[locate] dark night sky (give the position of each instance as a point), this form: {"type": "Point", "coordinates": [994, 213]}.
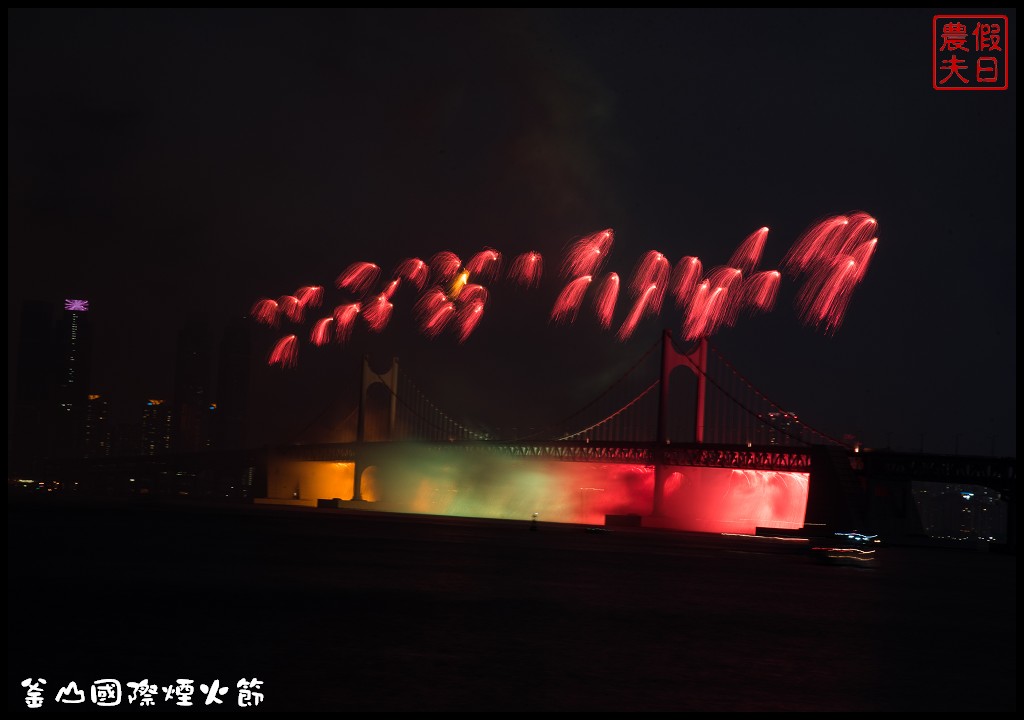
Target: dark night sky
{"type": "Point", "coordinates": [161, 162]}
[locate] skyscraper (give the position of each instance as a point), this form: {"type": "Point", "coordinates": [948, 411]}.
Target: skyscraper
{"type": "Point", "coordinates": [73, 347]}
{"type": "Point", "coordinates": [191, 406]}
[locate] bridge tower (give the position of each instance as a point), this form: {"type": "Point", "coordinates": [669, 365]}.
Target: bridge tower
{"type": "Point", "coordinates": [388, 379]}
{"type": "Point", "coordinates": [697, 362]}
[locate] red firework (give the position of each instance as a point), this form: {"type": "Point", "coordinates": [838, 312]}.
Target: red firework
{"type": "Point", "coordinates": [433, 311]}
{"type": "Point", "coordinates": [444, 266]}
{"type": "Point", "coordinates": [526, 269]}
{"type": "Point", "coordinates": [567, 305]}
{"type": "Point", "coordinates": [285, 352]}
{"type": "Point", "coordinates": [472, 292]}
{"type": "Point", "coordinates": [707, 312]}
{"type": "Point", "coordinates": [604, 301]}
{"type": "Point", "coordinates": [641, 307]}
{"type": "Point", "coordinates": [748, 254]}
{"type": "Point", "coordinates": [358, 277]}
{"type": "Point", "coordinates": [650, 280]}
{"type": "Point", "coordinates": [727, 305]}
{"type": "Point", "coordinates": [761, 289]}
{"type": "Point", "coordinates": [310, 296]}
{"type": "Point", "coordinates": [587, 255]}
{"type": "Point", "coordinates": [685, 277]}
{"type": "Point", "coordinates": [377, 313]}
{"type": "Point", "coordinates": [413, 270]}
{"type": "Point", "coordinates": [485, 264]}
{"type": "Point", "coordinates": [266, 311]}
{"type": "Point", "coordinates": [320, 335]}
{"type": "Point", "coordinates": [390, 289]}
{"type": "Point", "coordinates": [291, 307]}
{"type": "Point", "coordinates": [345, 321]}
{"type": "Point", "coordinates": [469, 316]}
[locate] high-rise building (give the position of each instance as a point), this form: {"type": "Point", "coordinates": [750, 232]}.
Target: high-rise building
{"type": "Point", "coordinates": [73, 347]}
{"type": "Point", "coordinates": [98, 427]}
{"type": "Point", "coordinates": [156, 427]}
{"type": "Point", "coordinates": [192, 399]}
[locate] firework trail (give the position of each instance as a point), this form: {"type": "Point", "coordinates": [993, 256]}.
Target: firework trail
{"type": "Point", "coordinates": [588, 254]}
{"type": "Point", "coordinates": [414, 271]}
{"type": "Point", "coordinates": [444, 266]}
{"type": "Point", "coordinates": [320, 335]}
{"type": "Point", "coordinates": [707, 311]}
{"type": "Point", "coordinates": [643, 305]}
{"type": "Point", "coordinates": [285, 352]}
{"type": "Point", "coordinates": [468, 317]}
{"type": "Point", "coordinates": [526, 269]}
{"type": "Point", "coordinates": [310, 296]}
{"type": "Point", "coordinates": [567, 305]}
{"type": "Point", "coordinates": [378, 312]}
{"type": "Point", "coordinates": [265, 311]}
{"type": "Point", "coordinates": [748, 254]}
{"type": "Point", "coordinates": [345, 321]}
{"type": "Point", "coordinates": [291, 308]}
{"type": "Point", "coordinates": [761, 289]}
{"type": "Point", "coordinates": [824, 297]}
{"type": "Point", "coordinates": [726, 305]}
{"type": "Point", "coordinates": [358, 277]}
{"type": "Point", "coordinates": [604, 302]}
{"type": "Point", "coordinates": [433, 311]}
{"type": "Point", "coordinates": [473, 292]}
{"type": "Point", "coordinates": [650, 280]}
{"type": "Point", "coordinates": [390, 288]}
{"type": "Point", "coordinates": [485, 264]}
{"type": "Point", "coordinates": [685, 277]}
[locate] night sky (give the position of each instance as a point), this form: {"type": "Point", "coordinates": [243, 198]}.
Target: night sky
{"type": "Point", "coordinates": [166, 162]}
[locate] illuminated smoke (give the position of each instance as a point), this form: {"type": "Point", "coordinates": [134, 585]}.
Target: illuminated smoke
{"type": "Point", "coordinates": [588, 254]}
{"type": "Point", "coordinates": [526, 269]}
{"type": "Point", "coordinates": [604, 301]}
{"type": "Point", "coordinates": [285, 352]}
{"type": "Point", "coordinates": [567, 305]}
{"type": "Point", "coordinates": [358, 277]}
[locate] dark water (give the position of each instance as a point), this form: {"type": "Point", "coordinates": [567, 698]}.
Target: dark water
{"type": "Point", "coordinates": [344, 611]}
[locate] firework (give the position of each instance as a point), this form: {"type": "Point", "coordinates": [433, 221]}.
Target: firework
{"type": "Point", "coordinates": [444, 266]}
{"type": "Point", "coordinates": [642, 306]}
{"type": "Point", "coordinates": [469, 316]}
{"type": "Point", "coordinates": [320, 335]}
{"type": "Point", "coordinates": [433, 311]}
{"type": "Point", "coordinates": [390, 288]}
{"type": "Point", "coordinates": [707, 311]}
{"type": "Point", "coordinates": [413, 270]}
{"type": "Point", "coordinates": [344, 321]}
{"type": "Point", "coordinates": [567, 305]}
{"type": "Point", "coordinates": [265, 311]}
{"type": "Point", "coordinates": [285, 352]}
{"type": "Point", "coordinates": [485, 264]}
{"type": "Point", "coordinates": [761, 289]}
{"type": "Point", "coordinates": [310, 296]}
{"type": "Point", "coordinates": [526, 269]}
{"type": "Point", "coordinates": [650, 280]}
{"type": "Point", "coordinates": [358, 277]}
{"type": "Point", "coordinates": [685, 277]}
{"type": "Point", "coordinates": [587, 255]}
{"type": "Point", "coordinates": [604, 301]}
{"type": "Point", "coordinates": [291, 308]}
{"type": "Point", "coordinates": [378, 312]}
{"type": "Point", "coordinates": [748, 254]}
